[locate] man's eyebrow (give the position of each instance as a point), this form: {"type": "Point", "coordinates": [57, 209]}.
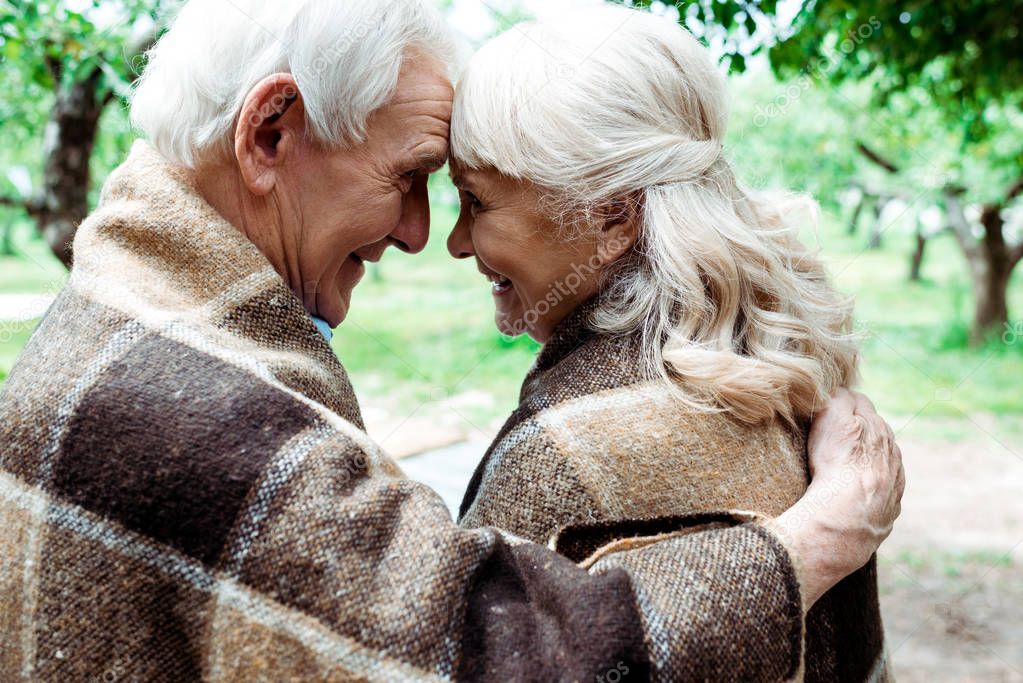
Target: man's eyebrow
{"type": "Point", "coordinates": [431, 162]}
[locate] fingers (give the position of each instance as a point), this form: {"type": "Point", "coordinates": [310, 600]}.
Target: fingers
{"type": "Point", "coordinates": [893, 453]}
{"type": "Point", "coordinates": [900, 476]}
{"type": "Point", "coordinates": [841, 402]}
{"type": "Point", "coordinates": [872, 447]}
{"type": "Point", "coordinates": [887, 437]}
{"type": "Point", "coordinates": [864, 406]}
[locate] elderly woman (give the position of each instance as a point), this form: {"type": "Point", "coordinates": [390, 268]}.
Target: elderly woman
{"type": "Point", "coordinates": [186, 490]}
{"type": "Point", "coordinates": [688, 335]}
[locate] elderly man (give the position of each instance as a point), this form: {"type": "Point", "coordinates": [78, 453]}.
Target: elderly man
{"type": "Point", "coordinates": [186, 489]}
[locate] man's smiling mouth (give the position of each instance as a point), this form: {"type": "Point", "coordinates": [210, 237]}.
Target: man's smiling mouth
{"type": "Point", "coordinates": [371, 254]}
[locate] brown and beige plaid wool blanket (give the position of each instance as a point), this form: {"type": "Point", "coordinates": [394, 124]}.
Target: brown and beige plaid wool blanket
{"type": "Point", "coordinates": [594, 439]}
{"type": "Point", "coordinates": [187, 493]}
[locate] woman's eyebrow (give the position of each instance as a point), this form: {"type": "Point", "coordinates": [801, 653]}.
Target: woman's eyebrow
{"type": "Point", "coordinates": [461, 181]}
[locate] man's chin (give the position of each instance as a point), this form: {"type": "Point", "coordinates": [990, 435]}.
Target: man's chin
{"type": "Point", "coordinates": [335, 312]}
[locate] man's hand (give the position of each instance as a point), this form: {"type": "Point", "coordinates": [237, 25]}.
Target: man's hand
{"type": "Point", "coordinates": [854, 497]}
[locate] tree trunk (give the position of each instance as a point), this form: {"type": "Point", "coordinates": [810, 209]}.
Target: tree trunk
{"type": "Point", "coordinates": [854, 221]}
{"type": "Point", "coordinates": [67, 146]}
{"type": "Point", "coordinates": [991, 273]}
{"type": "Point", "coordinates": [992, 309]}
{"type": "Point", "coordinates": [991, 263]}
{"type": "Point", "coordinates": [917, 262]}
{"type": "Point", "coordinates": [876, 228]}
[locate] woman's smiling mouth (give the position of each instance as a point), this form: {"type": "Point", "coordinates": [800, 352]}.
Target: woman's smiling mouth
{"type": "Point", "coordinates": [499, 283]}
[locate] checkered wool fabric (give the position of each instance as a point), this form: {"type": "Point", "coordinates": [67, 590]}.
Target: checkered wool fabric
{"type": "Point", "coordinates": [594, 439]}
{"type": "Point", "coordinates": [186, 493]}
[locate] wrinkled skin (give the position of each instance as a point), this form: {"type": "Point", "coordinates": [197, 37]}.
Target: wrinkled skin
{"type": "Point", "coordinates": [854, 497]}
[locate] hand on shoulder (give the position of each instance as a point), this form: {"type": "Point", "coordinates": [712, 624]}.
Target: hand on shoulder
{"type": "Point", "coordinates": [853, 499]}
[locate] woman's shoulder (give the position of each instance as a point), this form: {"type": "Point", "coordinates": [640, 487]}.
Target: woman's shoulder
{"type": "Point", "coordinates": [597, 363]}
{"type": "Point", "coordinates": [637, 449]}
{"type": "Point", "coordinates": [526, 484]}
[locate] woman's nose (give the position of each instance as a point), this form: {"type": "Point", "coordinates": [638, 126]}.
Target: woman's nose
{"type": "Point", "coordinates": [460, 241]}
{"type": "Point", "coordinates": [413, 232]}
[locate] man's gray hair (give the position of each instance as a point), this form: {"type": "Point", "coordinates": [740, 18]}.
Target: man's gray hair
{"type": "Point", "coordinates": [345, 56]}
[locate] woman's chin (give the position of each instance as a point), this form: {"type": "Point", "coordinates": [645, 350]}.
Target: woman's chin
{"type": "Point", "coordinates": [513, 327]}
{"type": "Point", "coordinates": [510, 324]}
{"type": "Point", "coordinates": [507, 327]}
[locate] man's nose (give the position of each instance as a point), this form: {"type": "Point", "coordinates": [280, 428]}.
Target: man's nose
{"type": "Point", "coordinates": [413, 231]}
{"type": "Point", "coordinates": [460, 241]}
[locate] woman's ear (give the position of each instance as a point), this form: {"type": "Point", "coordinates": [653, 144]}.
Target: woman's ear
{"type": "Point", "coordinates": [620, 229]}
{"type": "Point", "coordinates": [270, 126]}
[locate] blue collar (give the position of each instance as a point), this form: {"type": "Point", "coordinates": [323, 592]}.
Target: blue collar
{"type": "Point", "coordinates": [323, 327]}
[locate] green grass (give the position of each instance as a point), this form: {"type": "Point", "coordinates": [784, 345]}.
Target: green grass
{"type": "Point", "coordinates": [32, 270]}
{"type": "Point", "coordinates": [916, 361]}
{"type": "Point", "coordinates": [12, 338]}
{"type": "Point", "coordinates": [33, 267]}
{"type": "Point", "coordinates": [421, 329]}
{"type": "Point", "coordinates": [952, 564]}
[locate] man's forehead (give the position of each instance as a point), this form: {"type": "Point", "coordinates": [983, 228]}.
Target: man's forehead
{"type": "Point", "coordinates": [423, 82]}
{"type": "Point", "coordinates": [433, 96]}
{"type": "Point", "coordinates": [423, 111]}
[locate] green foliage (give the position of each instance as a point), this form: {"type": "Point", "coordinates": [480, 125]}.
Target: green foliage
{"type": "Point", "coordinates": [915, 357]}
{"type": "Point", "coordinates": [935, 86]}
{"type": "Point", "coordinates": [963, 53]}
{"type": "Point", "coordinates": [54, 45]}
{"type": "Point", "coordinates": [785, 135]}
{"type": "Point", "coordinates": [504, 20]}
{"type": "Point", "coordinates": [731, 25]}
{"type": "Point", "coordinates": [11, 344]}
{"type": "Point", "coordinates": [47, 45]}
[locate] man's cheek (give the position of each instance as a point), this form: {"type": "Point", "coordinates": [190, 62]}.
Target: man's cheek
{"type": "Point", "coordinates": [380, 221]}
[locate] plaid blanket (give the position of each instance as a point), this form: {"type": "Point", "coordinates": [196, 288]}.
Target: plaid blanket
{"type": "Point", "coordinates": [186, 493]}
{"type": "Point", "coordinates": [594, 439]}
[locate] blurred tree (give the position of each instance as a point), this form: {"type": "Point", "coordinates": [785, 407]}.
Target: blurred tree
{"type": "Point", "coordinates": [961, 60]}
{"type": "Point", "coordinates": [79, 57]}
{"type": "Point", "coordinates": [946, 79]}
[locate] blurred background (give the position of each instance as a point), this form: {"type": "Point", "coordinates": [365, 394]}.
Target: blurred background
{"type": "Point", "coordinates": [903, 119]}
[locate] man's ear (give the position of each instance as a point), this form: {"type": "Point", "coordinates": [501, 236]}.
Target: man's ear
{"type": "Point", "coordinates": [620, 227]}
{"type": "Point", "coordinates": [270, 126]}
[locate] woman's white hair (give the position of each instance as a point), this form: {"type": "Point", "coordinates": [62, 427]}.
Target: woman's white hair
{"type": "Point", "coordinates": [619, 105]}
{"type": "Point", "coordinates": [345, 57]}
